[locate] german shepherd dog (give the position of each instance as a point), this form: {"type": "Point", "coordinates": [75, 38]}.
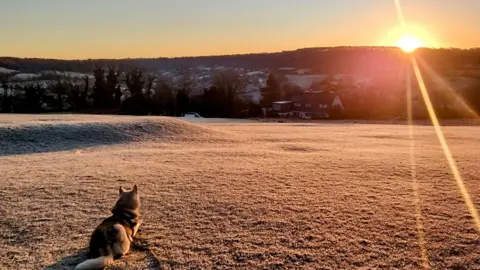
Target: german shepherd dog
{"type": "Point", "coordinates": [113, 237]}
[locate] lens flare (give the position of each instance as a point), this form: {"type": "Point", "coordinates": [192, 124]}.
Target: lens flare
{"type": "Point", "coordinates": [446, 149]}
{"type": "Point", "coordinates": [413, 172]}
{"type": "Point", "coordinates": [409, 43]}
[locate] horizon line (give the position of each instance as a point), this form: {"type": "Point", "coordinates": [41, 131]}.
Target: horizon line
{"type": "Point", "coordinates": [237, 54]}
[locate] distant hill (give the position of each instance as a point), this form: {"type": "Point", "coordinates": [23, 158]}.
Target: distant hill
{"type": "Point", "coordinates": [359, 60]}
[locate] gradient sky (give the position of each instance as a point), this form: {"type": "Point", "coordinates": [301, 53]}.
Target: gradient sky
{"type": "Point", "coordinates": [152, 28]}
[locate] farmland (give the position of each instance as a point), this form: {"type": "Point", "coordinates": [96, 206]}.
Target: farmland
{"type": "Point", "coordinates": [245, 194]}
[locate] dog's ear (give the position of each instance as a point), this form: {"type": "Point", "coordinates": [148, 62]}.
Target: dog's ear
{"type": "Point", "coordinates": [121, 190]}
{"type": "Point", "coordinates": [135, 189]}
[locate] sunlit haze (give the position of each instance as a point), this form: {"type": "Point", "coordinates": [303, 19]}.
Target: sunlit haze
{"type": "Point", "coordinates": [156, 28]}
{"type": "Point", "coordinates": [409, 43]}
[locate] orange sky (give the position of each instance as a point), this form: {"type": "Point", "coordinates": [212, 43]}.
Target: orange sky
{"type": "Point", "coordinates": [154, 28]}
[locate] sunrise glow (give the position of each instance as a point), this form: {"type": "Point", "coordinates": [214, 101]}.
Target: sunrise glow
{"type": "Point", "coordinates": [409, 43]}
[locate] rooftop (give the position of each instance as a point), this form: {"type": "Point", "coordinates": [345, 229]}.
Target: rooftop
{"type": "Point", "coordinates": [282, 102]}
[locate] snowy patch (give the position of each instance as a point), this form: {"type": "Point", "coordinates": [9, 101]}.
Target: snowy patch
{"type": "Point", "coordinates": [303, 71]}
{"type": "Point", "coordinates": [25, 76]}
{"type": "Point", "coordinates": [256, 73]}
{"type": "Point", "coordinates": [304, 81]}
{"type": "Point", "coordinates": [7, 71]}
{"type": "Point", "coordinates": [67, 74]}
{"type": "Point", "coordinates": [204, 68]}
{"type": "Point", "coordinates": [167, 73]}
{"type": "Point", "coordinates": [204, 77]}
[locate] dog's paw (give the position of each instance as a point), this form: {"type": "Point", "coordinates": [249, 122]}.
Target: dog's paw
{"type": "Point", "coordinates": [137, 229]}
{"type": "Point", "coordinates": [139, 223]}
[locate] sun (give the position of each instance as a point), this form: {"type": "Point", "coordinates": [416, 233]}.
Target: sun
{"type": "Point", "coordinates": [409, 43]}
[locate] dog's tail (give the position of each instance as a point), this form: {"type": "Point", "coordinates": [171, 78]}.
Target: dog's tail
{"type": "Point", "coordinates": [97, 263]}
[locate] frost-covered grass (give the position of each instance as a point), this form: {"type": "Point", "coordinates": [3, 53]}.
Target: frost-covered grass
{"type": "Point", "coordinates": [219, 194]}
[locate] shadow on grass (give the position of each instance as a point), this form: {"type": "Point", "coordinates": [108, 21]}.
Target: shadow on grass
{"type": "Point", "coordinates": [62, 137]}
{"type": "Point", "coordinates": [154, 261]}
{"type": "Point", "coordinates": [139, 245]}
{"type": "Point", "coordinates": [69, 262]}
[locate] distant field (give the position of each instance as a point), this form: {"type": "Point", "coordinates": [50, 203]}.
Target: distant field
{"type": "Point", "coordinates": [223, 194]}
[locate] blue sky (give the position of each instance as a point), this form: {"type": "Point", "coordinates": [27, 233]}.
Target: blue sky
{"type": "Point", "coordinates": [150, 28]}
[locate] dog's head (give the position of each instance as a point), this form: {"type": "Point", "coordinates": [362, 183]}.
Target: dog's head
{"type": "Point", "coordinates": [128, 200]}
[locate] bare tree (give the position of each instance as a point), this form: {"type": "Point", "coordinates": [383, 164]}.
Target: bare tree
{"type": "Point", "coordinates": [111, 85]}
{"type": "Point", "coordinates": [6, 102]}
{"type": "Point", "coordinates": [150, 81]}
{"type": "Point", "coordinates": [99, 88]}
{"type": "Point", "coordinates": [183, 87]}
{"type": "Point", "coordinates": [273, 91]}
{"type": "Point", "coordinates": [163, 98]}
{"type": "Point", "coordinates": [74, 94]}
{"type": "Point", "coordinates": [118, 96]}
{"type": "Point", "coordinates": [134, 81]}
{"type": "Point", "coordinates": [231, 84]}
{"type": "Point", "coordinates": [229, 81]}
{"type": "Point", "coordinates": [86, 89]}
{"type": "Point", "coordinates": [59, 89]}
{"type": "Point", "coordinates": [185, 80]}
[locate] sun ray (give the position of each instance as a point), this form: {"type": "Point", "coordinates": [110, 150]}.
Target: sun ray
{"type": "Point", "coordinates": [399, 9]}
{"type": "Point", "coordinates": [425, 263]}
{"type": "Point", "coordinates": [413, 172]}
{"type": "Point", "coordinates": [471, 112]}
{"type": "Point", "coordinates": [446, 149]}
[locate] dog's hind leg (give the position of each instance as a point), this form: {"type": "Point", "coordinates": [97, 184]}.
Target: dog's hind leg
{"type": "Point", "coordinates": [121, 245]}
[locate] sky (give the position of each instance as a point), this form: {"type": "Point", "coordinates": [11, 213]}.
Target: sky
{"type": "Point", "coordinates": [72, 29]}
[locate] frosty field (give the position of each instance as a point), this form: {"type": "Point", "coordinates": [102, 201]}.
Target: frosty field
{"type": "Point", "coordinates": [240, 194]}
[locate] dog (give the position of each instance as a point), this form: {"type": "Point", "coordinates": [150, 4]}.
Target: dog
{"type": "Point", "coordinates": [113, 237]}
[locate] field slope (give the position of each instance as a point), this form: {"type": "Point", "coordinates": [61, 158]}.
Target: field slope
{"type": "Point", "coordinates": [238, 195]}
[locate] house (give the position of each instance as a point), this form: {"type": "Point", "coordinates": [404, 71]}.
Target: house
{"type": "Point", "coordinates": [309, 104]}
{"type": "Point", "coordinates": [282, 106]}
{"type": "Point", "coordinates": [316, 104]}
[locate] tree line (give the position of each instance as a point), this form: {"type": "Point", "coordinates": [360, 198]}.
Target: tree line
{"type": "Point", "coordinates": [135, 92]}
